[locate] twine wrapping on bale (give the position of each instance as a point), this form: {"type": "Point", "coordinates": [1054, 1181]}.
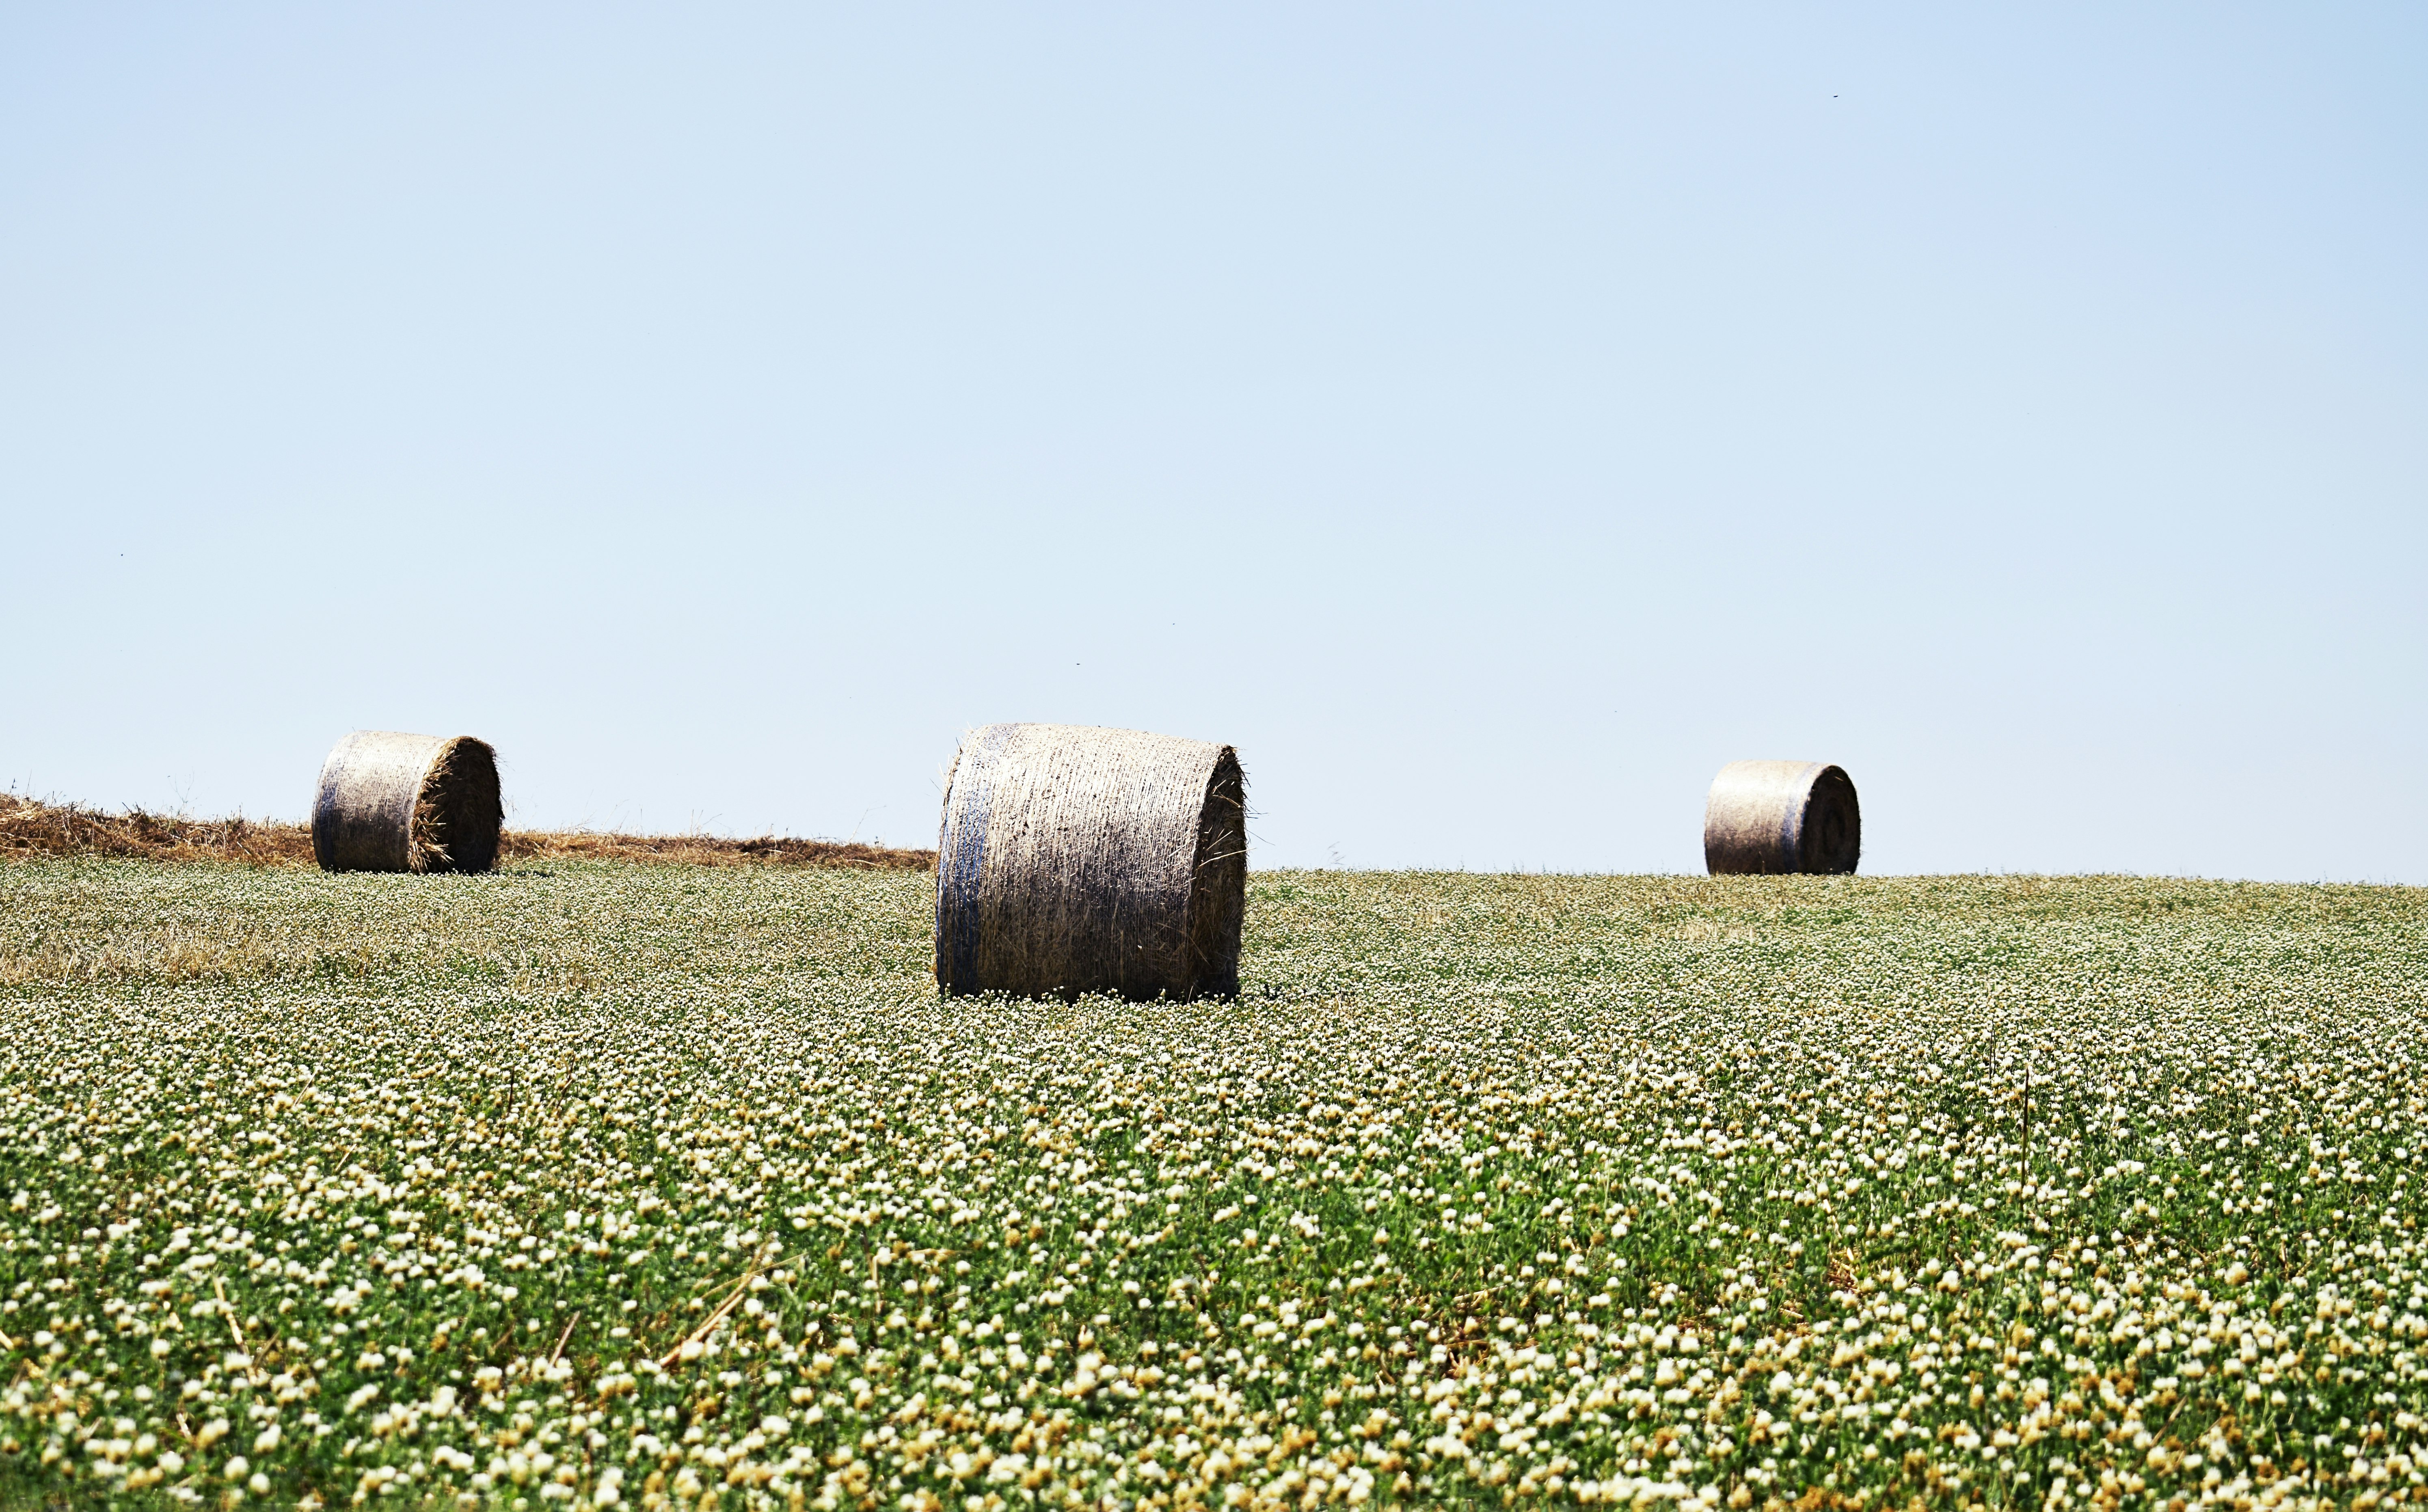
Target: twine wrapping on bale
{"type": "Point", "coordinates": [392, 803]}
{"type": "Point", "coordinates": [1772, 817]}
{"type": "Point", "coordinates": [1075, 860]}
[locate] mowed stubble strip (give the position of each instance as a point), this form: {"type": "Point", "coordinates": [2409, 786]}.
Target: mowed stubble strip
{"type": "Point", "coordinates": [631, 1186]}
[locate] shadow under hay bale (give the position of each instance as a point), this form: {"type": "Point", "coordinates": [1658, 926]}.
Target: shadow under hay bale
{"type": "Point", "coordinates": [1773, 817]}
{"type": "Point", "coordinates": [1073, 859]}
{"type": "Point", "coordinates": [392, 803]}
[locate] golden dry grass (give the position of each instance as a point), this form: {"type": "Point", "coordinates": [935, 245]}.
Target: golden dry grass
{"type": "Point", "coordinates": [29, 828]}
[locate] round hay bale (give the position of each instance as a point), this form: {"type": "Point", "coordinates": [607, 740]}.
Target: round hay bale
{"type": "Point", "coordinates": [1075, 860]}
{"type": "Point", "coordinates": [392, 803]}
{"type": "Point", "coordinates": [1782, 816]}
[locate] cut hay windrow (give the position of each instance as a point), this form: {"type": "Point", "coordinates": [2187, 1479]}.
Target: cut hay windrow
{"type": "Point", "coordinates": [1777, 818]}
{"type": "Point", "coordinates": [1075, 860]}
{"type": "Point", "coordinates": [392, 803]}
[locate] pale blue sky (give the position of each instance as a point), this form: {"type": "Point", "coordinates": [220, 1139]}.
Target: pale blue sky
{"type": "Point", "coordinates": [1489, 419]}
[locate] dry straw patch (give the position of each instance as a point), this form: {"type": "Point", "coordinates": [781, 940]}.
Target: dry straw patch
{"type": "Point", "coordinates": [711, 850]}
{"type": "Point", "coordinates": [30, 828]}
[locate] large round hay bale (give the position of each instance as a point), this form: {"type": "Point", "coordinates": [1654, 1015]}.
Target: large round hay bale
{"type": "Point", "coordinates": [1782, 816]}
{"type": "Point", "coordinates": [1075, 860]}
{"type": "Point", "coordinates": [392, 803]}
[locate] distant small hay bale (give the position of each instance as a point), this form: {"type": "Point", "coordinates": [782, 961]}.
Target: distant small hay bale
{"type": "Point", "coordinates": [1073, 859]}
{"type": "Point", "coordinates": [1782, 816]}
{"type": "Point", "coordinates": [392, 803]}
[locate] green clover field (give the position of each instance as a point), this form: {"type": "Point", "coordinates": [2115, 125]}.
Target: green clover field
{"type": "Point", "coordinates": [590, 1185]}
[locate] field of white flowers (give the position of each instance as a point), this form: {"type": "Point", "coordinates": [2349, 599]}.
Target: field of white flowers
{"type": "Point", "coordinates": [608, 1186]}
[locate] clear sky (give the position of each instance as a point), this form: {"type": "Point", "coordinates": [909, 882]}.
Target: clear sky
{"type": "Point", "coordinates": [1490, 419]}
